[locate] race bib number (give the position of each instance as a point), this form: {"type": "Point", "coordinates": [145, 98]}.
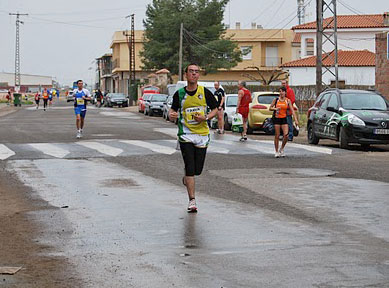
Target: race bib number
{"type": "Point", "coordinates": [80, 101]}
{"type": "Point", "coordinates": [190, 113]}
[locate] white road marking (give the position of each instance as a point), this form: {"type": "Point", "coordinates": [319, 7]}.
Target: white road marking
{"type": "Point", "coordinates": [102, 148]}
{"type": "Point", "coordinates": [124, 115]}
{"type": "Point", "coordinates": [316, 149]}
{"type": "Point", "coordinates": [152, 146]}
{"type": "Point", "coordinates": [211, 148]}
{"type": "Point", "coordinates": [50, 149]}
{"type": "Point", "coordinates": [259, 148]}
{"type": "Point", "coordinates": [168, 131]}
{"type": "Point", "coordinates": [5, 152]}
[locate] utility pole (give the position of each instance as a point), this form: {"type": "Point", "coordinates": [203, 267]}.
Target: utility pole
{"type": "Point", "coordinates": [17, 50]}
{"type": "Point", "coordinates": [328, 32]}
{"type": "Point", "coordinates": [180, 53]}
{"type": "Point", "coordinates": [301, 11]}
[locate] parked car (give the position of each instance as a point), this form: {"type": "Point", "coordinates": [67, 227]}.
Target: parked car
{"type": "Point", "coordinates": [150, 90]}
{"type": "Point", "coordinates": [142, 101]}
{"type": "Point", "coordinates": [208, 85]}
{"type": "Point", "coordinates": [154, 104]}
{"type": "Point", "coordinates": [69, 96]}
{"type": "Point", "coordinates": [349, 116]}
{"type": "Point", "coordinates": [116, 99]}
{"type": "Point", "coordinates": [259, 110]}
{"type": "Point", "coordinates": [166, 107]}
{"type": "Point", "coordinates": [230, 100]}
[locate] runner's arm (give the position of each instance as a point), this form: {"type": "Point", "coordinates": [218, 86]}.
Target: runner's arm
{"type": "Point", "coordinates": [223, 97]}
{"type": "Point", "coordinates": [271, 108]}
{"type": "Point", "coordinates": [174, 108]}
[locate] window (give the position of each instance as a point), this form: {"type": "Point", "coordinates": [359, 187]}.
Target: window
{"type": "Point", "coordinates": [246, 52]}
{"type": "Point", "coordinates": [321, 102]}
{"type": "Point", "coordinates": [333, 101]}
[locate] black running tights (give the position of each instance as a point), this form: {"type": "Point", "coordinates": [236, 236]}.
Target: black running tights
{"type": "Point", "coordinates": [194, 158]}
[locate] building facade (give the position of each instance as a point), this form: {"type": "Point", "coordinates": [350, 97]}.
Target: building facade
{"type": "Point", "coordinates": [29, 83]}
{"type": "Point", "coordinates": [104, 73]}
{"type": "Point", "coordinates": [266, 49]}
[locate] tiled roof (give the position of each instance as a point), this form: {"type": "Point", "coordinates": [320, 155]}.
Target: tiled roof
{"type": "Point", "coordinates": [345, 58]}
{"type": "Point", "coordinates": [297, 39]}
{"type": "Point", "coordinates": [349, 21]}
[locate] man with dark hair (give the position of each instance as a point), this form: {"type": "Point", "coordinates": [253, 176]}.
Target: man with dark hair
{"type": "Point", "coordinates": [190, 107]}
{"type": "Point", "coordinates": [81, 95]}
{"type": "Point", "coordinates": [290, 95]}
{"type": "Point", "coordinates": [242, 107]}
{"type": "Point", "coordinates": [219, 93]}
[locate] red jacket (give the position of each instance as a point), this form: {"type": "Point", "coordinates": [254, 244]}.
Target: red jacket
{"type": "Point", "coordinates": [290, 95]}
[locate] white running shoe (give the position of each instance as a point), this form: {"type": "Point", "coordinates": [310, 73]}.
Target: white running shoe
{"type": "Point", "coordinates": [282, 153]}
{"type": "Point", "coordinates": [277, 155]}
{"type": "Point", "coordinates": [192, 208]}
{"type": "Point", "coordinates": [81, 133]}
{"type": "Point", "coordinates": [78, 135]}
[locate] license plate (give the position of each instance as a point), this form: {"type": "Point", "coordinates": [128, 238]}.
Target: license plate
{"type": "Point", "coordinates": [381, 131]}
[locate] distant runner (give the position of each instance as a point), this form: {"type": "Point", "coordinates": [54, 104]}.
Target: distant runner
{"type": "Point", "coordinates": [280, 107]}
{"type": "Point", "coordinates": [190, 106]}
{"type": "Point", "coordinates": [37, 99]}
{"type": "Point", "coordinates": [81, 95]}
{"type": "Point", "coordinates": [45, 96]}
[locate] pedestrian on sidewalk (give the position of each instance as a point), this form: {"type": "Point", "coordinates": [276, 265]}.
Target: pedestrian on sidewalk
{"type": "Point", "coordinates": [99, 96]}
{"type": "Point", "coordinates": [9, 96]}
{"type": "Point", "coordinates": [51, 95]}
{"type": "Point", "coordinates": [280, 107]}
{"type": "Point", "coordinates": [45, 96]}
{"type": "Point", "coordinates": [219, 94]}
{"type": "Point", "coordinates": [242, 107]}
{"type": "Point", "coordinates": [81, 95]}
{"type": "Point", "coordinates": [190, 107]}
{"type": "Point", "coordinates": [290, 95]}
{"type": "Point", "coordinates": [37, 99]}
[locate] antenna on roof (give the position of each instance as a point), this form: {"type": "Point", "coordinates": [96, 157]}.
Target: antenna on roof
{"type": "Point", "coordinates": [301, 11]}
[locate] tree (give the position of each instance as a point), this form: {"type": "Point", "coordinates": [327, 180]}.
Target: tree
{"type": "Point", "coordinates": [204, 39]}
{"type": "Point", "coordinates": [275, 75]}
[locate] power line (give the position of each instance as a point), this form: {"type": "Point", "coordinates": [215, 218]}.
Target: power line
{"type": "Point", "coordinates": [359, 13]}
{"type": "Point", "coordinates": [199, 43]}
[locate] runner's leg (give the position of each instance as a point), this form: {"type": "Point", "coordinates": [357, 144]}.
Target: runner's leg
{"type": "Point", "coordinates": [220, 120]}
{"type": "Point", "coordinates": [285, 133]}
{"type": "Point", "coordinates": [188, 154]}
{"type": "Point", "coordinates": [199, 160]}
{"type": "Point", "coordinates": [276, 136]}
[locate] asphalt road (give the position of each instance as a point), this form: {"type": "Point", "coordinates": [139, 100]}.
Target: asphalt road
{"type": "Point", "coordinates": [109, 210]}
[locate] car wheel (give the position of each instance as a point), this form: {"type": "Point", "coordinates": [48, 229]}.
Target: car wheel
{"type": "Point", "coordinates": [227, 126]}
{"type": "Point", "coordinates": [343, 139]}
{"type": "Point", "coordinates": [312, 138]}
{"type": "Point", "coordinates": [365, 146]}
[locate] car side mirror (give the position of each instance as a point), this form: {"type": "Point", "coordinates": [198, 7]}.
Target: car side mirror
{"type": "Point", "coordinates": [332, 109]}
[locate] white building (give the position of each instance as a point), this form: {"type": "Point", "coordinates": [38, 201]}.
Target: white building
{"type": "Point", "coordinates": [355, 68]}
{"type": "Point", "coordinates": [27, 82]}
{"type": "Point", "coordinates": [355, 32]}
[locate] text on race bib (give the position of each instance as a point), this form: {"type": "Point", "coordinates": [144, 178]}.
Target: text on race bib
{"type": "Point", "coordinates": [190, 113]}
{"type": "Point", "coordinates": [80, 101]}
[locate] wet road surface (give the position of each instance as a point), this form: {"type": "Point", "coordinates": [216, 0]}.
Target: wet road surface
{"type": "Point", "coordinates": [303, 221]}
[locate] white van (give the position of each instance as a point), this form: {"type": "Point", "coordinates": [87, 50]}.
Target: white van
{"type": "Point", "coordinates": [208, 85]}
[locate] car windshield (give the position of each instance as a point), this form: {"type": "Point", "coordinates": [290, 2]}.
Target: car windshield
{"type": "Point", "coordinates": [363, 101]}
{"type": "Point", "coordinates": [266, 99]}
{"type": "Point", "coordinates": [158, 98]}
{"type": "Point", "coordinates": [117, 95]}
{"type": "Point", "coordinates": [232, 101]}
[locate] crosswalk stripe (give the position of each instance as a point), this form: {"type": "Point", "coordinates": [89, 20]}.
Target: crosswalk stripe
{"type": "Point", "coordinates": [322, 150]}
{"type": "Point", "coordinates": [5, 152]}
{"type": "Point", "coordinates": [102, 148]}
{"type": "Point", "coordinates": [262, 149]}
{"type": "Point", "coordinates": [168, 131]}
{"type": "Point", "coordinates": [152, 146]}
{"type": "Point", "coordinates": [50, 149]}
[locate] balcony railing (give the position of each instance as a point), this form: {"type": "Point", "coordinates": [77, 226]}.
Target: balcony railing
{"type": "Point", "coordinates": [271, 61]}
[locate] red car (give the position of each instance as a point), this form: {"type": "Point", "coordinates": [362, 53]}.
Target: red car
{"type": "Point", "coordinates": [142, 100]}
{"type": "Point", "coordinates": [150, 90]}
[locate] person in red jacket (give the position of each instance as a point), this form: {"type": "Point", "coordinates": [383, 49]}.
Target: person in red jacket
{"type": "Point", "coordinates": [242, 107]}
{"type": "Point", "coordinates": [290, 95]}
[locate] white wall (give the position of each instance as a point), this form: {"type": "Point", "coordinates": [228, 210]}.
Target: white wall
{"type": "Point", "coordinates": [352, 76]}
{"type": "Point", "coordinates": [348, 39]}
{"type": "Point", "coordinates": [26, 80]}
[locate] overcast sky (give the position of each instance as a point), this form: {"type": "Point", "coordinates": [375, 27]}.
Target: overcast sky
{"type": "Point", "coordinates": [62, 38]}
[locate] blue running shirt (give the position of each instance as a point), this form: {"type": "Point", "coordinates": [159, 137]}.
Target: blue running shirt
{"type": "Point", "coordinates": [78, 94]}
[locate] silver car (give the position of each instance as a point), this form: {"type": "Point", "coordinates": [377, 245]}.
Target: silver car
{"type": "Point", "coordinates": [154, 104]}
{"type": "Point", "coordinates": [166, 107]}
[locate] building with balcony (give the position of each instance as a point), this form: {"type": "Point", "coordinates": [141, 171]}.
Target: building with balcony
{"type": "Point", "coordinates": [265, 50]}
{"type": "Point", "coordinates": [104, 73]}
